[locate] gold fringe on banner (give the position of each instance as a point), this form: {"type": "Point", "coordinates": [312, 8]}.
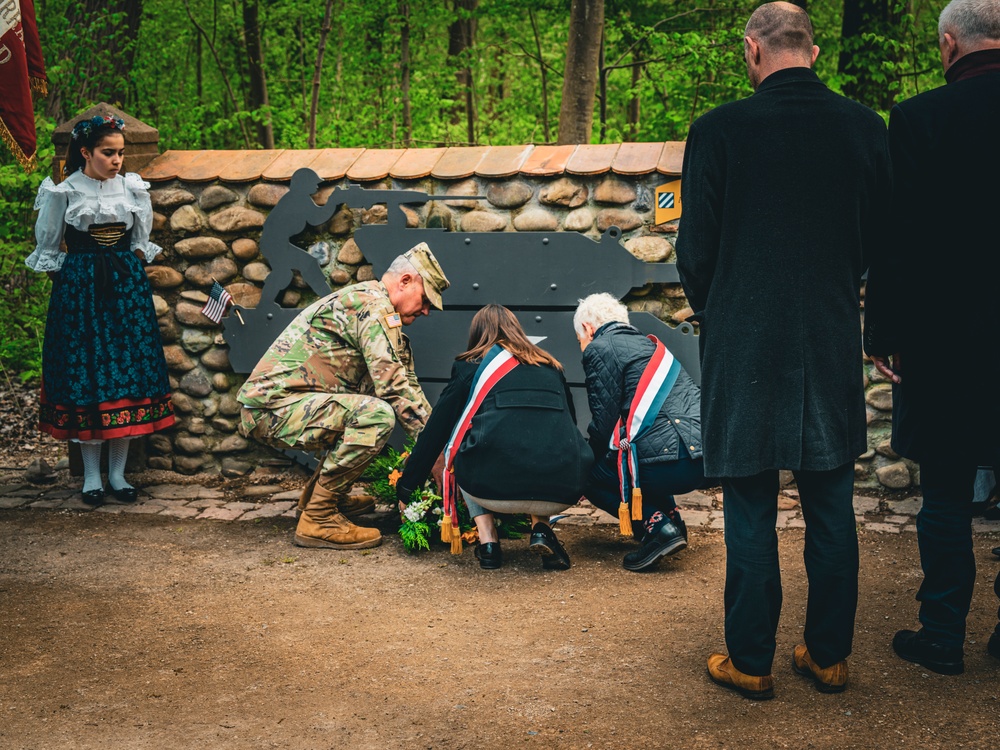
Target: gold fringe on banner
{"type": "Point", "coordinates": [29, 163]}
{"type": "Point", "coordinates": [38, 85]}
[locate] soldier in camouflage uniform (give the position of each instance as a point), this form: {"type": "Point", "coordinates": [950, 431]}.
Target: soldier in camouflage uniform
{"type": "Point", "coordinates": [337, 379]}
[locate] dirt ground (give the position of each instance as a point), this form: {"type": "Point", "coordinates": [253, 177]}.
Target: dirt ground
{"type": "Point", "coordinates": [130, 631]}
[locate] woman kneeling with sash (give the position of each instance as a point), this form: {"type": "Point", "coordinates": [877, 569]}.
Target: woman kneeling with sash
{"type": "Point", "coordinates": [506, 424]}
{"type": "Point", "coordinates": [645, 429]}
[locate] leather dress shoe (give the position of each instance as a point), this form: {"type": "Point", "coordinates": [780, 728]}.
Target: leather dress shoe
{"type": "Point", "coordinates": [832, 679]}
{"type": "Point", "coordinates": [993, 645]}
{"type": "Point", "coordinates": [490, 555]}
{"type": "Point", "coordinates": [996, 551]}
{"type": "Point", "coordinates": [543, 542]}
{"type": "Point", "coordinates": [916, 647]}
{"type": "Point", "coordinates": [671, 537]}
{"type": "Point", "coordinates": [93, 498]}
{"type": "Point", "coordinates": [126, 495]}
{"type": "Point", "coordinates": [724, 673]}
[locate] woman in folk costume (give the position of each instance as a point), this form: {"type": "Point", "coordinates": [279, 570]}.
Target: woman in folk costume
{"type": "Point", "coordinates": [508, 430]}
{"type": "Point", "coordinates": [104, 377]}
{"type": "Point", "coordinates": [645, 429]}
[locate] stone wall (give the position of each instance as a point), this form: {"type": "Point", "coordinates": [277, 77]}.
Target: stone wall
{"type": "Point", "coordinates": [210, 230]}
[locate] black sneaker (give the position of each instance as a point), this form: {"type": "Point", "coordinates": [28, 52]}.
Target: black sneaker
{"type": "Point", "coordinates": [543, 542]}
{"type": "Point", "coordinates": [669, 538]}
{"type": "Point", "coordinates": [490, 555]}
{"type": "Point", "coordinates": [916, 647]}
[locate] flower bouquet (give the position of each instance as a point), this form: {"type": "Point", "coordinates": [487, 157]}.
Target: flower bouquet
{"type": "Point", "coordinates": [421, 521]}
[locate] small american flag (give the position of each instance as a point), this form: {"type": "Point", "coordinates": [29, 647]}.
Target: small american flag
{"type": "Point", "coordinates": [218, 300]}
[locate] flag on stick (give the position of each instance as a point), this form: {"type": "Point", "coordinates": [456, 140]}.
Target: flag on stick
{"type": "Point", "coordinates": [218, 300]}
{"type": "Point", "coordinates": [22, 71]}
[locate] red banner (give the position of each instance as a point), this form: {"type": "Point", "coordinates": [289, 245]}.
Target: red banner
{"type": "Point", "coordinates": [21, 71]}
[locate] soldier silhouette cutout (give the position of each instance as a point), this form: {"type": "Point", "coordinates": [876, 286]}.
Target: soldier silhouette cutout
{"type": "Point", "coordinates": [288, 218]}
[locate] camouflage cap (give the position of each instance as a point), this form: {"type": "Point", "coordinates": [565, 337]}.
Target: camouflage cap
{"type": "Point", "coordinates": [435, 282]}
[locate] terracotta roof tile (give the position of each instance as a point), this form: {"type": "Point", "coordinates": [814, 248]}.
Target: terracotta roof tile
{"type": "Point", "coordinates": [672, 158]}
{"type": "Point", "coordinates": [166, 165]}
{"type": "Point", "coordinates": [333, 163]}
{"type": "Point", "coordinates": [374, 164]}
{"type": "Point", "coordinates": [637, 158]}
{"type": "Point", "coordinates": [291, 159]}
{"type": "Point", "coordinates": [592, 158]}
{"type": "Point", "coordinates": [250, 166]}
{"type": "Point", "coordinates": [207, 165]}
{"type": "Point", "coordinates": [416, 163]}
{"type": "Point", "coordinates": [459, 162]}
{"type": "Point", "coordinates": [544, 161]}
{"type": "Point", "coordinates": [503, 161]}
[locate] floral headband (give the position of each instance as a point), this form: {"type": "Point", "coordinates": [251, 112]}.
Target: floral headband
{"type": "Point", "coordinates": [84, 128]}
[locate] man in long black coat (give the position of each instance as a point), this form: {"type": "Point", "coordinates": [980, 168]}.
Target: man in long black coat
{"type": "Point", "coordinates": [783, 196]}
{"type": "Point", "coordinates": [946, 162]}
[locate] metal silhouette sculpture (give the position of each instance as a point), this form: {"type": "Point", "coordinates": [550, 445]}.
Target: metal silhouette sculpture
{"type": "Point", "coordinates": [540, 276]}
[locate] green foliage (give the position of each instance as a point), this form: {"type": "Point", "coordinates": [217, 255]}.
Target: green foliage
{"type": "Point", "coordinates": [24, 294]}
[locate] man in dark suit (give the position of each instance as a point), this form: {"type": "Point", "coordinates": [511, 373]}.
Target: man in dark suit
{"type": "Point", "coordinates": [783, 194]}
{"type": "Point", "coordinates": [944, 146]}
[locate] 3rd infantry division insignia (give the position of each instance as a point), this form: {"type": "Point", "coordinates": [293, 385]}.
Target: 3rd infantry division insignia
{"type": "Point", "coordinates": [668, 202]}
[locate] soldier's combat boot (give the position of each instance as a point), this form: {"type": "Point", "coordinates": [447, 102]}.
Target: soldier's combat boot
{"type": "Point", "coordinates": [354, 507]}
{"type": "Point", "coordinates": [323, 525]}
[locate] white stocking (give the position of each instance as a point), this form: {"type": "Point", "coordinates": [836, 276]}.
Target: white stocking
{"type": "Point", "coordinates": [91, 453]}
{"type": "Point", "coordinates": [117, 458]}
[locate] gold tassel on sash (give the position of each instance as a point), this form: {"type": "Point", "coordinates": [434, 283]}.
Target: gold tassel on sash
{"type": "Point", "coordinates": [446, 530]}
{"type": "Point", "coordinates": [456, 543]}
{"type": "Point", "coordinates": [624, 522]}
{"type": "Point", "coordinates": [636, 504]}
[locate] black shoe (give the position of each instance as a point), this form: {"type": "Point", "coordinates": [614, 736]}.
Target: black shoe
{"type": "Point", "coordinates": [671, 537]}
{"type": "Point", "coordinates": [126, 495]}
{"type": "Point", "coordinates": [993, 646]}
{"type": "Point", "coordinates": [996, 551]}
{"type": "Point", "coordinates": [490, 555]}
{"type": "Point", "coordinates": [543, 542]}
{"type": "Point", "coordinates": [93, 498]}
{"type": "Point", "coordinates": [918, 648]}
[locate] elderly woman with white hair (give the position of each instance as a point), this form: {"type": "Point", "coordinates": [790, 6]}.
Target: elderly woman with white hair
{"type": "Point", "coordinates": [645, 429]}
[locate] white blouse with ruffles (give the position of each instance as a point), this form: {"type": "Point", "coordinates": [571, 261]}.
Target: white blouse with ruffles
{"type": "Point", "coordinates": [80, 201]}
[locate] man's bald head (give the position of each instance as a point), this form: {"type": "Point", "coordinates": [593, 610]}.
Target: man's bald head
{"type": "Point", "coordinates": [778, 35]}
{"type": "Point", "coordinates": [781, 26]}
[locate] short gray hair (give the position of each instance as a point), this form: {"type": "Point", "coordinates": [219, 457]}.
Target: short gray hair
{"type": "Point", "coordinates": [400, 266]}
{"type": "Point", "coordinates": [971, 20]}
{"type": "Point", "coordinates": [598, 309]}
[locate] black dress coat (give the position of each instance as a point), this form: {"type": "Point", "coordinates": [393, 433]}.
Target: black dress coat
{"type": "Point", "coordinates": [783, 194]}
{"type": "Point", "coordinates": [933, 293]}
{"type": "Point", "coordinates": [523, 443]}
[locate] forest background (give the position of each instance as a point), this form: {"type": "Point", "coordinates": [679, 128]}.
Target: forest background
{"type": "Point", "coordinates": [248, 74]}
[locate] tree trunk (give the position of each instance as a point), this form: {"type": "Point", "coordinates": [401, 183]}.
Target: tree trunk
{"type": "Point", "coordinates": [861, 62]}
{"type": "Point", "coordinates": [461, 37]}
{"type": "Point", "coordinates": [633, 104]}
{"type": "Point", "coordinates": [324, 32]}
{"type": "Point", "coordinates": [545, 84]}
{"type": "Point", "coordinates": [255, 69]}
{"type": "Point", "coordinates": [404, 72]}
{"type": "Point", "coordinates": [576, 112]}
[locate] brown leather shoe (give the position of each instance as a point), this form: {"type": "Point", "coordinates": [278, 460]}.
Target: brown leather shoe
{"type": "Point", "coordinates": [322, 525]}
{"type": "Point", "coordinates": [828, 680]}
{"type": "Point", "coordinates": [722, 672]}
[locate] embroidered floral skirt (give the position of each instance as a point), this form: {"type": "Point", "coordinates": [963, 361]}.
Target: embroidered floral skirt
{"type": "Point", "coordinates": [103, 371]}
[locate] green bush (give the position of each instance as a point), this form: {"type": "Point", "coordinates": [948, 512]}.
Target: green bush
{"type": "Point", "coordinates": [24, 294]}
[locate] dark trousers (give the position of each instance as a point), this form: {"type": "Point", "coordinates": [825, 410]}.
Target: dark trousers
{"type": "Point", "coordinates": [944, 536]}
{"type": "Point", "coordinates": [753, 578]}
{"type": "Point", "coordinates": [659, 483]}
